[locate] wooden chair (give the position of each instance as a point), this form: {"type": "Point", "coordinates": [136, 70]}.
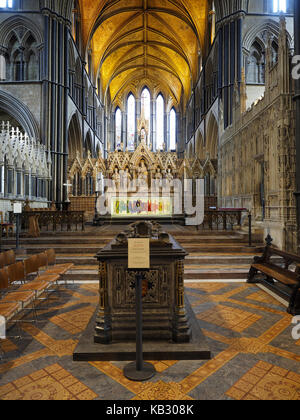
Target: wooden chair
{"type": "Point", "coordinates": [25, 299]}
{"type": "Point", "coordinates": [33, 264]}
{"type": "Point", "coordinates": [8, 310]}
{"type": "Point", "coordinates": [2, 260]}
{"type": "Point", "coordinates": [61, 269]}
{"type": "Point", "coordinates": [16, 274]}
{"type": "Point", "coordinates": [5, 226]}
{"type": "Point", "coordinates": [9, 257]}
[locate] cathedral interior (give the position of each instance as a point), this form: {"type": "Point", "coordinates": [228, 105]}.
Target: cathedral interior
{"type": "Point", "coordinates": [126, 113]}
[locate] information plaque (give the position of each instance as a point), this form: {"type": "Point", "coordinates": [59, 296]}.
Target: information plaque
{"type": "Point", "coordinates": [139, 253]}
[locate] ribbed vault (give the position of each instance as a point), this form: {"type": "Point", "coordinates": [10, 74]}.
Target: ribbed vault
{"type": "Point", "coordinates": [136, 39]}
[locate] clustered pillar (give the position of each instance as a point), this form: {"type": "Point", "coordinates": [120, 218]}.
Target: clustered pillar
{"type": "Point", "coordinates": [230, 63]}
{"type": "Point", "coordinates": [55, 90]}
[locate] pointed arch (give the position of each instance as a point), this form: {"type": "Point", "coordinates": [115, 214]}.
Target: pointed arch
{"type": "Point", "coordinates": [255, 69]}
{"type": "Point", "coordinates": [212, 140]}
{"type": "Point", "coordinates": [88, 145]}
{"type": "Point", "coordinates": [13, 24]}
{"type": "Point", "coordinates": [267, 26]}
{"type": "Point", "coordinates": [160, 121]}
{"type": "Point", "coordinates": [118, 127]}
{"type": "Point", "coordinates": [21, 113]}
{"type": "Point", "coordinates": [146, 105]}
{"type": "Point", "coordinates": [173, 129]}
{"type": "Point", "coordinates": [131, 121]}
{"type": "Point", "coordinates": [74, 137]}
{"type": "Point", "coordinates": [200, 149]}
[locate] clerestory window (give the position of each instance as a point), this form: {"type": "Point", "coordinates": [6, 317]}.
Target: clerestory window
{"type": "Point", "coordinates": [279, 6]}
{"type": "Point", "coordinates": [6, 4]}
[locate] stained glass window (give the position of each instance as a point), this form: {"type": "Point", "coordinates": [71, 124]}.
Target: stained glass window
{"type": "Point", "coordinates": [173, 129]}
{"type": "Point", "coordinates": [279, 6]}
{"type": "Point", "coordinates": [131, 122]}
{"type": "Point", "coordinates": [160, 125]}
{"type": "Point", "coordinates": [146, 107]}
{"type": "Point", "coordinates": [118, 127]}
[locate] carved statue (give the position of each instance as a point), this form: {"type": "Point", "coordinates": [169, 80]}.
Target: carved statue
{"type": "Point", "coordinates": [125, 178]}
{"type": "Point", "coordinates": [143, 136]}
{"type": "Point", "coordinates": [158, 174]}
{"type": "Point", "coordinates": [169, 175]}
{"type": "Point", "coordinates": [116, 178]}
{"type": "Point", "coordinates": [158, 178]}
{"type": "Point", "coordinates": [143, 175]}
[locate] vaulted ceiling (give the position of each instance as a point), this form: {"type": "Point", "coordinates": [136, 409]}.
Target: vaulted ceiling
{"type": "Point", "coordinates": [151, 39]}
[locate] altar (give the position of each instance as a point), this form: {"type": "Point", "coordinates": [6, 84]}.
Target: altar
{"type": "Point", "coordinates": [140, 184]}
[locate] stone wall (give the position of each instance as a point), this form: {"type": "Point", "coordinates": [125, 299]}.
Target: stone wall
{"type": "Point", "coordinates": [257, 154]}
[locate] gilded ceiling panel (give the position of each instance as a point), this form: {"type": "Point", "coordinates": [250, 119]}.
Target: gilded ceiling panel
{"type": "Point", "coordinates": [160, 39]}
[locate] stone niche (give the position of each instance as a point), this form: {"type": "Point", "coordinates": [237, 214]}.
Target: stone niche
{"type": "Point", "coordinates": [164, 311]}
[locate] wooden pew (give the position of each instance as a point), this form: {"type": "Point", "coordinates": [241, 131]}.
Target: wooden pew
{"type": "Point", "coordinates": [285, 271]}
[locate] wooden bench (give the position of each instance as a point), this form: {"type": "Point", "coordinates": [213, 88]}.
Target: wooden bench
{"type": "Point", "coordinates": [285, 270]}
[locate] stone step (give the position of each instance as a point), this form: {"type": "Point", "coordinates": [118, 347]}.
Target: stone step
{"type": "Point", "coordinates": [81, 274]}
{"type": "Point", "coordinates": [229, 248]}
{"type": "Point", "coordinates": [90, 260]}
{"type": "Point", "coordinates": [94, 249]}
{"type": "Point", "coordinates": [68, 240]}
{"type": "Point", "coordinates": [190, 261]}
{"type": "Point", "coordinates": [103, 240]}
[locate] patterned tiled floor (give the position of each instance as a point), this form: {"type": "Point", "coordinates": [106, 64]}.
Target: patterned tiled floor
{"type": "Point", "coordinates": [248, 332]}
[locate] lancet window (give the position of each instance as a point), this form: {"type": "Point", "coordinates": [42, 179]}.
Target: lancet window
{"type": "Point", "coordinates": [160, 122]}
{"type": "Point", "coordinates": [280, 6]}
{"type": "Point", "coordinates": [22, 58]}
{"type": "Point", "coordinates": [173, 129]}
{"type": "Point", "coordinates": [131, 122]}
{"type": "Point", "coordinates": [146, 120]}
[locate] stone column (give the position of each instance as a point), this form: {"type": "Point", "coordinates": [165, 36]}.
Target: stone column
{"type": "Point", "coordinates": [137, 116]}
{"type": "Point", "coordinates": [124, 129]}
{"type": "Point", "coordinates": [230, 63]}
{"type": "Point", "coordinates": [167, 130]}
{"type": "Point", "coordinates": [153, 123]}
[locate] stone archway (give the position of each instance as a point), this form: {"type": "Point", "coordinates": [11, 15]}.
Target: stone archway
{"type": "Point", "coordinates": [74, 138]}
{"type": "Point", "coordinates": [88, 146]}
{"type": "Point", "coordinates": [21, 113]}
{"type": "Point", "coordinates": [200, 149]}
{"type": "Point", "coordinates": [212, 138]}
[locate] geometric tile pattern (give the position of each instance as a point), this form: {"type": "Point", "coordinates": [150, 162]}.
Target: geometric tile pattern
{"type": "Point", "coordinates": [162, 390]}
{"type": "Point", "coordinates": [74, 322]}
{"type": "Point", "coordinates": [51, 383]}
{"type": "Point", "coordinates": [263, 298]}
{"type": "Point", "coordinates": [231, 318]}
{"type": "Point", "coordinates": [266, 382]}
{"type": "Point", "coordinates": [248, 332]}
